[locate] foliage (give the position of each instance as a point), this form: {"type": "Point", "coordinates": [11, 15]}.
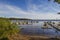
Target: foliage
{"type": "Point", "coordinates": [58, 1]}
{"type": "Point", "coordinates": [58, 13]}
{"type": "Point", "coordinates": [6, 28]}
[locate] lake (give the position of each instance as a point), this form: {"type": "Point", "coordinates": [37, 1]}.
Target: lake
{"type": "Point", "coordinates": [35, 29]}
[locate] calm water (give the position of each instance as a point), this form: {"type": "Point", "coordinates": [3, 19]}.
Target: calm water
{"type": "Point", "coordinates": [35, 29]}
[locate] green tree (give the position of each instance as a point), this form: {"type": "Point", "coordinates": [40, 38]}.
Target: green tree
{"type": "Point", "coordinates": [7, 29]}
{"type": "Point", "coordinates": [58, 1]}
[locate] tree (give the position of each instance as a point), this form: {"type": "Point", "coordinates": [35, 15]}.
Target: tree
{"type": "Point", "coordinates": [58, 1]}
{"type": "Point", "coordinates": [6, 28]}
{"type": "Point", "coordinates": [58, 13]}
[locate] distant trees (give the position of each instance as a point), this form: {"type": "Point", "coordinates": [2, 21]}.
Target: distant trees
{"type": "Point", "coordinates": [7, 29]}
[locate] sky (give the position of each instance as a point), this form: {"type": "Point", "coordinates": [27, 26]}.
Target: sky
{"type": "Point", "coordinates": [33, 9]}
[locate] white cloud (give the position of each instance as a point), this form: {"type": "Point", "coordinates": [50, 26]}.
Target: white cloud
{"type": "Point", "coordinates": [13, 11]}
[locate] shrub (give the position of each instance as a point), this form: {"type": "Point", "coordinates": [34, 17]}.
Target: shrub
{"type": "Point", "coordinates": [7, 29]}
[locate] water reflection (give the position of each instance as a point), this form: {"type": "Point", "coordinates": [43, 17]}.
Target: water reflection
{"type": "Point", "coordinates": [41, 28]}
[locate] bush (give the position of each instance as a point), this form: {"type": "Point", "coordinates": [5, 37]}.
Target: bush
{"type": "Point", "coordinates": [7, 29]}
{"type": "Point", "coordinates": [4, 39]}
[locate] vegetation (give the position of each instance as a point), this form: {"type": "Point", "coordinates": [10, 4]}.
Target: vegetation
{"type": "Point", "coordinates": [58, 13]}
{"type": "Point", "coordinates": [19, 19]}
{"type": "Point", "coordinates": [7, 29]}
{"type": "Point", "coordinates": [58, 1]}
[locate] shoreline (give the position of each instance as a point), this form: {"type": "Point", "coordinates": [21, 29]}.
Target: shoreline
{"type": "Point", "coordinates": [40, 37]}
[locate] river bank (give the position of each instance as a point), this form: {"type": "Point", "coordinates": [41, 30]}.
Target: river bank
{"type": "Point", "coordinates": [29, 37]}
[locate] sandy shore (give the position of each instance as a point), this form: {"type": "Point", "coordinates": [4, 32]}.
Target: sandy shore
{"type": "Point", "coordinates": [30, 37]}
{"type": "Point", "coordinates": [41, 37]}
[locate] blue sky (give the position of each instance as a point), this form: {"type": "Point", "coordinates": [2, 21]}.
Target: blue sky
{"type": "Point", "coordinates": [34, 9]}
